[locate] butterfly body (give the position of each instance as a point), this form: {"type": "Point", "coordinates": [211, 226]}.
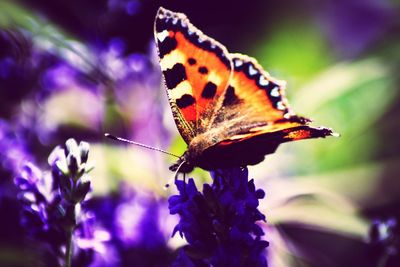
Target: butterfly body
{"type": "Point", "coordinates": [228, 110]}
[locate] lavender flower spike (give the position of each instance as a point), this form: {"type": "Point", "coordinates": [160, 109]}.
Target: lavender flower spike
{"type": "Point", "coordinates": [51, 203]}
{"type": "Point", "coordinates": [219, 223]}
{"type": "Point", "coordinates": [69, 168]}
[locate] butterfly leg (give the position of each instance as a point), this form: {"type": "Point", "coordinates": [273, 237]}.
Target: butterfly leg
{"type": "Point", "coordinates": [175, 177]}
{"type": "Point", "coordinates": [184, 181]}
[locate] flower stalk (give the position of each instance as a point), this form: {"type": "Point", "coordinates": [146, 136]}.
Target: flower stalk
{"type": "Point", "coordinates": [69, 249]}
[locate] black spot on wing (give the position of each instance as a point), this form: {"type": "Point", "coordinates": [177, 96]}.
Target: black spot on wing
{"type": "Point", "coordinates": [160, 25]}
{"type": "Point", "coordinates": [166, 46]}
{"type": "Point", "coordinates": [185, 101]}
{"type": "Point", "coordinates": [175, 75]}
{"type": "Point", "coordinates": [191, 61]}
{"type": "Point", "coordinates": [230, 97]}
{"type": "Point", "coordinates": [209, 90]}
{"type": "Point", "coordinates": [203, 70]}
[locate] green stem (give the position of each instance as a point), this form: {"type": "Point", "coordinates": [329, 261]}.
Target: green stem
{"type": "Point", "coordinates": [68, 253]}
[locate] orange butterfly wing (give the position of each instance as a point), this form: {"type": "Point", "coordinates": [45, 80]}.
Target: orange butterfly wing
{"type": "Point", "coordinates": [263, 105]}
{"type": "Point", "coordinates": [256, 117]}
{"type": "Point", "coordinates": [227, 108]}
{"type": "Point", "coordinates": [195, 69]}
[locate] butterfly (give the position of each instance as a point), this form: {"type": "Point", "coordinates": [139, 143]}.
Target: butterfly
{"type": "Point", "coordinates": [228, 110]}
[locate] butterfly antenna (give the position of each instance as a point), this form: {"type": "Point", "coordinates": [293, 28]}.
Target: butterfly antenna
{"type": "Point", "coordinates": [174, 177]}
{"type": "Point", "coordinates": [138, 144]}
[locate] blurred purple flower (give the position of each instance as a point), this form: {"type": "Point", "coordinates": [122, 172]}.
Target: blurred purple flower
{"type": "Point", "coordinates": [51, 204]}
{"type": "Point", "coordinates": [124, 68]}
{"type": "Point", "coordinates": [220, 223]}
{"type": "Point", "coordinates": [14, 149]}
{"type": "Point", "coordinates": [59, 76]}
{"type": "Point", "coordinates": [6, 66]}
{"type": "Point", "coordinates": [22, 63]}
{"type": "Point", "coordinates": [136, 88]}
{"type": "Point", "coordinates": [128, 216]}
{"type": "Point", "coordinates": [111, 59]}
{"type": "Point", "coordinates": [130, 7]}
{"type": "Point", "coordinates": [110, 71]}
{"type": "Point", "coordinates": [354, 26]}
{"type": "Point", "coordinates": [384, 240]}
{"type": "Point", "coordinates": [139, 226]}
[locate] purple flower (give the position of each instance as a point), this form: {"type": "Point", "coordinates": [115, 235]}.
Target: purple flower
{"type": "Point", "coordinates": [136, 222]}
{"type": "Point", "coordinates": [354, 26]}
{"type": "Point", "coordinates": [138, 79]}
{"type": "Point", "coordinates": [6, 66]}
{"type": "Point", "coordinates": [69, 168]}
{"type": "Point", "coordinates": [52, 210]}
{"type": "Point", "coordinates": [131, 7]}
{"type": "Point", "coordinates": [384, 240]}
{"type": "Point", "coordinates": [59, 76]}
{"type": "Point", "coordinates": [139, 225]}
{"type": "Point", "coordinates": [219, 223]}
{"type": "Point", "coordinates": [14, 149]}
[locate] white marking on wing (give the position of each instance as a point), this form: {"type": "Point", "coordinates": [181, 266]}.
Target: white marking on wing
{"type": "Point", "coordinates": [181, 89]}
{"type": "Point", "coordinates": [170, 59]}
{"type": "Point", "coordinates": [162, 35]}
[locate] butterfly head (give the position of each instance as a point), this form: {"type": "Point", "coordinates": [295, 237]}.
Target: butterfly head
{"type": "Point", "coordinates": [183, 165]}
